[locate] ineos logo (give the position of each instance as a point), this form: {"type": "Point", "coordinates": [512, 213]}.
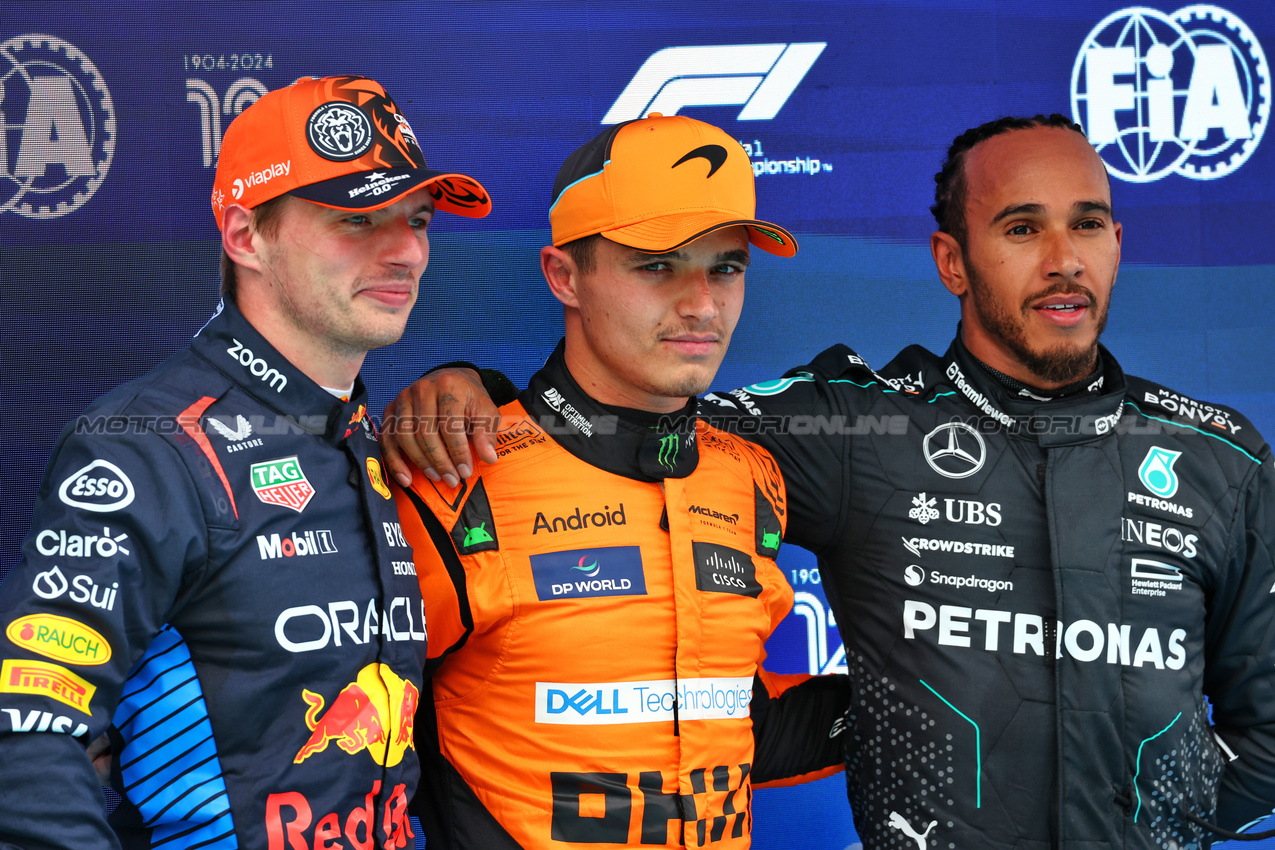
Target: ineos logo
{"type": "Point", "coordinates": [257, 366]}
{"type": "Point", "coordinates": [955, 450]}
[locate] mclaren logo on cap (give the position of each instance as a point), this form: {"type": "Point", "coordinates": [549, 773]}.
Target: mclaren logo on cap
{"type": "Point", "coordinates": [715, 154]}
{"type": "Point", "coordinates": [339, 132]}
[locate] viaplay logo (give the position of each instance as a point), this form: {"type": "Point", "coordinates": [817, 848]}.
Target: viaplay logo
{"type": "Point", "coordinates": [55, 104]}
{"type": "Point", "coordinates": [1185, 93]}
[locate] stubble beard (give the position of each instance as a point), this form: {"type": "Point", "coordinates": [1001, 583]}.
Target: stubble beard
{"type": "Point", "coordinates": [1057, 366]}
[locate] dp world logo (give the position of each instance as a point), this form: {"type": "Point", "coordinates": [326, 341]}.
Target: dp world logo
{"type": "Point", "coordinates": [1184, 93]}
{"type": "Point", "coordinates": [55, 105]}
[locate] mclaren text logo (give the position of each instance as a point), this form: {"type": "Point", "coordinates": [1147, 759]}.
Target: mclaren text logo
{"type": "Point", "coordinates": [761, 77]}
{"type": "Point", "coordinates": [996, 630]}
{"type": "Point", "coordinates": [608, 703]}
{"type": "Point", "coordinates": [1184, 93]}
{"type": "Point", "coordinates": [955, 450]}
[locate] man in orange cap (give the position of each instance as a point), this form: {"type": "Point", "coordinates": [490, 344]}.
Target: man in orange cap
{"type": "Point", "coordinates": [215, 570]}
{"type": "Point", "coordinates": [597, 603]}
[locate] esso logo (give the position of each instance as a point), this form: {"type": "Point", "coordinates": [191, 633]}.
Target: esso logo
{"type": "Point", "coordinates": [1185, 93]}
{"type": "Point", "coordinates": [101, 486]}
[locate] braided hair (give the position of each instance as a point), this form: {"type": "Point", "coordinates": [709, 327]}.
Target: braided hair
{"type": "Point", "coordinates": [950, 188]}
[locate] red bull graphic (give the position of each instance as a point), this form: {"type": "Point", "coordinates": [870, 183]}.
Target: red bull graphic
{"type": "Point", "coordinates": [289, 817]}
{"type": "Point", "coordinates": [376, 712]}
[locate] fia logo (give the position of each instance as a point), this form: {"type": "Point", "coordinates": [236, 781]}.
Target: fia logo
{"type": "Point", "coordinates": [54, 95]}
{"type": "Point", "coordinates": [1184, 93]}
{"type": "Point", "coordinates": [239, 95]}
{"type": "Point", "coordinates": [759, 76]}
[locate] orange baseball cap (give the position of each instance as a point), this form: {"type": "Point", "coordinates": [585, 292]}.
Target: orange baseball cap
{"type": "Point", "coordinates": [337, 141]}
{"type": "Point", "coordinates": [657, 183]}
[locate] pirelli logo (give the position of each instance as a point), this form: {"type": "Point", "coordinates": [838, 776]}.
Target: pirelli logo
{"type": "Point", "coordinates": [47, 680]}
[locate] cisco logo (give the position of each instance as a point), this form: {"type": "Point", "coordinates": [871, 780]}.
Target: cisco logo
{"type": "Point", "coordinates": [1184, 93]}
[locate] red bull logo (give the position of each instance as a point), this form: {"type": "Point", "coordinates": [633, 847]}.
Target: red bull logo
{"type": "Point", "coordinates": [291, 823]}
{"type": "Point", "coordinates": [376, 712]}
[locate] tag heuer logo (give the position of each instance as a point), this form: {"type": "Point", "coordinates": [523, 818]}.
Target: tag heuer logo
{"type": "Point", "coordinates": [281, 482]}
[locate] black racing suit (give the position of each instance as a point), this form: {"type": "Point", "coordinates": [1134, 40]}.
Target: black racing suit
{"type": "Point", "coordinates": [215, 567]}
{"type": "Point", "coordinates": [1035, 598]}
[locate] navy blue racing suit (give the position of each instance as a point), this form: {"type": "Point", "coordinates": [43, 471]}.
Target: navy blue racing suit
{"type": "Point", "coordinates": [215, 570]}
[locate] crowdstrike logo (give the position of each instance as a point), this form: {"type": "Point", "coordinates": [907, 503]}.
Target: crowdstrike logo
{"type": "Point", "coordinates": [760, 76]}
{"type": "Point", "coordinates": [917, 545]}
{"type": "Point", "coordinates": [1184, 93]}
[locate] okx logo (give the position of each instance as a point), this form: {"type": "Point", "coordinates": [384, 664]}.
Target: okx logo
{"type": "Point", "coordinates": [54, 97]}
{"type": "Point", "coordinates": [761, 77]}
{"type": "Point", "coordinates": [1185, 93]}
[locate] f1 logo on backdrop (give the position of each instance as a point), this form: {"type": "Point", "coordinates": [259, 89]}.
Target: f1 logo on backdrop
{"type": "Point", "coordinates": [759, 76]}
{"type": "Point", "coordinates": [52, 94]}
{"type": "Point", "coordinates": [1185, 93]}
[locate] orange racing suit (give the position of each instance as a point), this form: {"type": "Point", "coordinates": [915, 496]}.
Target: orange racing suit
{"type": "Point", "coordinates": [597, 605]}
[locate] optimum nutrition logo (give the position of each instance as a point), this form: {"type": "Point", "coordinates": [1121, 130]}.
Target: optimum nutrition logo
{"type": "Point", "coordinates": [1184, 93]}
{"type": "Point", "coordinates": [55, 104]}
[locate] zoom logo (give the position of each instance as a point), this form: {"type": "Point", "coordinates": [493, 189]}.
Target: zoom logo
{"type": "Point", "coordinates": [761, 77]}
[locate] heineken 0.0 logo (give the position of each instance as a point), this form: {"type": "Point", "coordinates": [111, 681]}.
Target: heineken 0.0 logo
{"type": "Point", "coordinates": [281, 482]}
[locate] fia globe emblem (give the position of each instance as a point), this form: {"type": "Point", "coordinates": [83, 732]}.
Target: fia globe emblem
{"type": "Point", "coordinates": [1185, 93]}
{"type": "Point", "coordinates": [1156, 472]}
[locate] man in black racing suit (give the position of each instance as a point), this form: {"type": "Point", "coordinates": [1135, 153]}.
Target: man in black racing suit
{"type": "Point", "coordinates": [215, 569]}
{"type": "Point", "coordinates": [1040, 567]}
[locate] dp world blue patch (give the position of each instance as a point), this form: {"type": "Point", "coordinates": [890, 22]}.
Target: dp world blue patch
{"type": "Point", "coordinates": [582, 573]}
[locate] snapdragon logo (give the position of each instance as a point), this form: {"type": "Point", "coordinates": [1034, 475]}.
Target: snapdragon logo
{"type": "Point", "coordinates": [1184, 93]}
{"type": "Point", "coordinates": [761, 77]}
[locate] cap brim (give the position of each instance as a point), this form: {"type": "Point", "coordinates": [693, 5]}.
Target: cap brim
{"type": "Point", "coordinates": [373, 190]}
{"type": "Point", "coordinates": [668, 233]}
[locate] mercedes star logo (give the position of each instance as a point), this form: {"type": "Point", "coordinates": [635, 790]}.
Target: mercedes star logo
{"type": "Point", "coordinates": [955, 450]}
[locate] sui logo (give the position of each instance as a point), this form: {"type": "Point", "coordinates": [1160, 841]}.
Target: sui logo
{"type": "Point", "coordinates": [1185, 93]}
{"type": "Point", "coordinates": [57, 127]}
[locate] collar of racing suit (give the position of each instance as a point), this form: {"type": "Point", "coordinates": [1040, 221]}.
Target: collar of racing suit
{"type": "Point", "coordinates": [234, 347]}
{"type": "Point", "coordinates": [632, 443]}
{"type": "Point", "coordinates": [1072, 419]}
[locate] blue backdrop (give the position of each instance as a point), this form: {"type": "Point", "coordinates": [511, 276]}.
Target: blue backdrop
{"type": "Point", "coordinates": [109, 134]}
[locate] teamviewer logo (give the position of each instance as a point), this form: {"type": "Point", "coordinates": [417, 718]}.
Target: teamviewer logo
{"type": "Point", "coordinates": [759, 76]}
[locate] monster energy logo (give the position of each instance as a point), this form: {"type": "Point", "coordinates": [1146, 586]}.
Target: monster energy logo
{"type": "Point", "coordinates": [669, 445]}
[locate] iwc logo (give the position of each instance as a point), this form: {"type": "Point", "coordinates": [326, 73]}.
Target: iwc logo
{"type": "Point", "coordinates": [339, 132]}
{"type": "Point", "coordinates": [56, 105]}
{"type": "Point", "coordinates": [1185, 93]}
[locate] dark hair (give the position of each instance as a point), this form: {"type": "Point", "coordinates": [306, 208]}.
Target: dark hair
{"type": "Point", "coordinates": [950, 188]}
{"type": "Point", "coordinates": [265, 218]}
{"type": "Point", "coordinates": [582, 250]}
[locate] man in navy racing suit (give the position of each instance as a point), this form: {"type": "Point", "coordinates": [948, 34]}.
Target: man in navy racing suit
{"type": "Point", "coordinates": [1040, 567]}
{"type": "Point", "coordinates": [215, 569]}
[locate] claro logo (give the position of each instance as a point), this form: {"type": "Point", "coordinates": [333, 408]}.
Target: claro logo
{"type": "Point", "coordinates": [257, 366]}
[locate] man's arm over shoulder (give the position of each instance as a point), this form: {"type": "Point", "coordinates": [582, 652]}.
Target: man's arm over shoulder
{"type": "Point", "coordinates": [1240, 659]}
{"type": "Point", "coordinates": [798, 727]}
{"type": "Point", "coordinates": [117, 529]}
{"type": "Point", "coordinates": [804, 420]}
